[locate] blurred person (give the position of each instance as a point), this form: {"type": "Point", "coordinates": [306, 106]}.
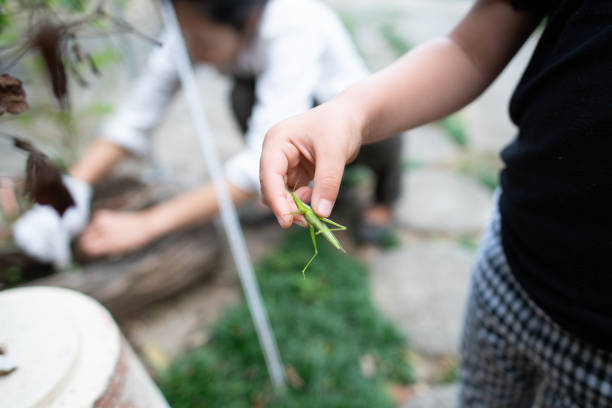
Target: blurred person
{"type": "Point", "coordinates": [283, 56]}
{"type": "Point", "coordinates": [538, 324]}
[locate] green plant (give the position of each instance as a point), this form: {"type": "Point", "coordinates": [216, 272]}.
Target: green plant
{"type": "Point", "coordinates": [324, 327]}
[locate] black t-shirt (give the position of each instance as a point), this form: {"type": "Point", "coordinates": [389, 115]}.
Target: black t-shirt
{"type": "Point", "coordinates": [556, 201]}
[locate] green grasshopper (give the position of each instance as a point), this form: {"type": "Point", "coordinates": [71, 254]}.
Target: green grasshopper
{"type": "Point", "coordinates": [318, 223]}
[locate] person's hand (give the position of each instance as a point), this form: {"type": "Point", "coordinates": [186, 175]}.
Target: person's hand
{"type": "Point", "coordinates": [314, 145]}
{"type": "Point", "coordinates": [115, 232]}
{"type": "Point", "coordinates": [45, 235]}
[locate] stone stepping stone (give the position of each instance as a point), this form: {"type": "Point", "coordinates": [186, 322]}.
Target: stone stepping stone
{"type": "Point", "coordinates": [429, 144]}
{"type": "Point", "coordinates": [442, 396]}
{"type": "Point", "coordinates": [423, 20]}
{"type": "Point", "coordinates": [423, 288]}
{"type": "Point", "coordinates": [443, 201]}
{"type": "Point", "coordinates": [371, 43]}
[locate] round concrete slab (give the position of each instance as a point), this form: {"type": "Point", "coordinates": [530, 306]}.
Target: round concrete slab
{"type": "Point", "coordinates": [69, 353]}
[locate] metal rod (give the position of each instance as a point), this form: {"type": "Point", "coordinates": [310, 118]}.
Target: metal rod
{"type": "Point", "coordinates": [228, 211]}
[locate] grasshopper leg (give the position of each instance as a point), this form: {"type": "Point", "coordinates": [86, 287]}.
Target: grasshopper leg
{"type": "Point", "coordinates": [327, 220]}
{"type": "Point", "coordinates": [331, 230]}
{"type": "Point", "coordinates": [314, 243]}
{"type": "Point", "coordinates": [335, 224]}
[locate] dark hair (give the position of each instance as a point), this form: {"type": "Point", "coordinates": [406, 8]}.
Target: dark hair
{"type": "Point", "coordinates": [235, 13]}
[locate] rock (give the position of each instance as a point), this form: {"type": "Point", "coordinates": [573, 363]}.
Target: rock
{"type": "Point", "coordinates": [428, 144]}
{"type": "Point", "coordinates": [422, 289]}
{"type": "Point", "coordinates": [442, 201]}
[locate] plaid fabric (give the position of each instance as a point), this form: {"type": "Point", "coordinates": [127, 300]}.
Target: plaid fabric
{"type": "Point", "coordinates": [513, 355]}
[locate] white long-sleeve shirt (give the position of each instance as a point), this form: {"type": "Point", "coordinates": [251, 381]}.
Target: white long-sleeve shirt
{"type": "Point", "coordinates": [300, 52]}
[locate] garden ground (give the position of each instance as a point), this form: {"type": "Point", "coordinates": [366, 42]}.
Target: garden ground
{"type": "Point", "coordinates": [420, 284]}
{"type": "Point", "coordinates": [451, 170]}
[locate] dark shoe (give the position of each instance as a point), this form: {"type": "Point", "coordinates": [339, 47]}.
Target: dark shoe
{"type": "Point", "coordinates": [370, 233]}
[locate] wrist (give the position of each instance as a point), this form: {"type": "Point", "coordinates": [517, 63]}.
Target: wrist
{"type": "Point", "coordinates": [349, 106]}
{"type": "Point", "coordinates": [154, 224]}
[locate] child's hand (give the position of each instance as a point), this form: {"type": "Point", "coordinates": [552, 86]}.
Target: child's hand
{"type": "Point", "coordinates": [316, 144]}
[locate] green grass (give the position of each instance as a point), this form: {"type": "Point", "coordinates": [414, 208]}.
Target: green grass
{"type": "Point", "coordinates": [324, 326]}
{"type": "Point", "coordinates": [455, 130]}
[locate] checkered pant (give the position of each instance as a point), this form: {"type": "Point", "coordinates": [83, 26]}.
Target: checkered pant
{"type": "Point", "coordinates": [513, 355]}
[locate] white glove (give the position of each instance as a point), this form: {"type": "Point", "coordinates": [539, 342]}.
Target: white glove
{"type": "Point", "coordinates": [75, 218]}
{"type": "Point", "coordinates": [44, 235]}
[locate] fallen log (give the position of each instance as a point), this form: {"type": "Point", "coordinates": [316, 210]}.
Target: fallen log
{"type": "Point", "coordinates": [129, 283]}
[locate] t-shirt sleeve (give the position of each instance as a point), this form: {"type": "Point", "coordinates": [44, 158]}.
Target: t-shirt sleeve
{"type": "Point", "coordinates": [132, 125]}
{"type": "Point", "coordinates": [285, 88]}
{"type": "Point", "coordinates": [541, 6]}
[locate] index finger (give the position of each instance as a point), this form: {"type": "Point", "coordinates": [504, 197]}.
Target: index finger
{"type": "Point", "coordinates": [273, 176]}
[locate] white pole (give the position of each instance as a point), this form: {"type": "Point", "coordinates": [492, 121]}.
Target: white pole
{"type": "Point", "coordinates": [228, 211]}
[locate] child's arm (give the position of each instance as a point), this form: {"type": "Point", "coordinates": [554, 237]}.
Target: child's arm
{"type": "Point", "coordinates": [99, 158]}
{"type": "Point", "coordinates": [112, 232]}
{"type": "Point", "coordinates": [443, 75]}
{"type": "Point", "coordinates": [426, 84]}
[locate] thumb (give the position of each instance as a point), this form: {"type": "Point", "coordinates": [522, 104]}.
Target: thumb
{"type": "Point", "coordinates": [327, 178]}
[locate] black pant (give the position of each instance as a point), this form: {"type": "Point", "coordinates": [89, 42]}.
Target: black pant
{"type": "Point", "coordinates": [383, 158]}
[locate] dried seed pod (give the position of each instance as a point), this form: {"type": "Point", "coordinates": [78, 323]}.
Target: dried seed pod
{"type": "Point", "coordinates": [43, 181]}
{"type": "Point", "coordinates": [12, 95]}
{"type": "Point", "coordinates": [47, 38]}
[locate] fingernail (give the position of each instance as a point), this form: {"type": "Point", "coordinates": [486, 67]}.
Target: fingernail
{"type": "Point", "coordinates": [324, 208]}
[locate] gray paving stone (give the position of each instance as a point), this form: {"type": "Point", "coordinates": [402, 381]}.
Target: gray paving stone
{"type": "Point", "coordinates": [429, 144]}
{"type": "Point", "coordinates": [442, 396]}
{"type": "Point", "coordinates": [372, 46]}
{"type": "Point", "coordinates": [423, 20]}
{"type": "Point", "coordinates": [422, 288]}
{"type": "Point", "coordinates": [414, 21]}
{"type": "Point", "coordinates": [442, 201]}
